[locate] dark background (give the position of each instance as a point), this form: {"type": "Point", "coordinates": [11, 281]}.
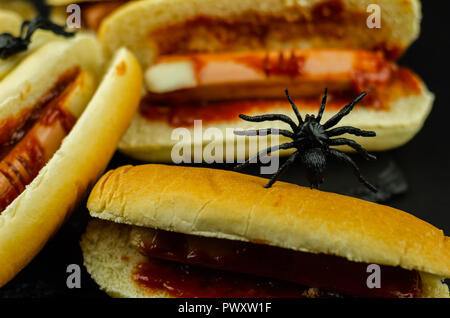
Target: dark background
{"type": "Point", "coordinates": [422, 162]}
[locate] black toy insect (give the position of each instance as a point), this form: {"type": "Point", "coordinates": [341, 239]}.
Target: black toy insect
{"type": "Point", "coordinates": [10, 45]}
{"type": "Point", "coordinates": [312, 141]}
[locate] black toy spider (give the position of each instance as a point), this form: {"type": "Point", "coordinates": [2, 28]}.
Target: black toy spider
{"type": "Point", "coordinates": [312, 141]}
{"type": "Point", "coordinates": [10, 45]}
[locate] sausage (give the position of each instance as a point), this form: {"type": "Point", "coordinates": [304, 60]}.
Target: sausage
{"type": "Point", "coordinates": [24, 161]}
{"type": "Point", "coordinates": [249, 75]}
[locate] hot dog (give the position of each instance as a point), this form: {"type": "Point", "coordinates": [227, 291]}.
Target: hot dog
{"type": "Point", "coordinates": [213, 60]}
{"type": "Point", "coordinates": [22, 164]}
{"type": "Point", "coordinates": [171, 231]}
{"type": "Point", "coordinates": [59, 129]}
{"type": "Point", "coordinates": [262, 75]}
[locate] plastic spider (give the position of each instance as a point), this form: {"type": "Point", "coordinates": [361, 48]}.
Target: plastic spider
{"type": "Point", "coordinates": [10, 45]}
{"type": "Point", "coordinates": [312, 141]}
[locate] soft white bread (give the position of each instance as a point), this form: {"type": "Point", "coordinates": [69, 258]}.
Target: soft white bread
{"type": "Point", "coordinates": [32, 218]}
{"type": "Point", "coordinates": [152, 140]}
{"type": "Point", "coordinates": [229, 205]}
{"type": "Point", "coordinates": [10, 22]}
{"type": "Point", "coordinates": [25, 9]}
{"type": "Point", "coordinates": [110, 256]}
{"type": "Point", "coordinates": [134, 24]}
{"type": "Point", "coordinates": [39, 71]}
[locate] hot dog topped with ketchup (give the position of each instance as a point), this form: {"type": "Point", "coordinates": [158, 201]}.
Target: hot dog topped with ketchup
{"type": "Point", "coordinates": [60, 122]}
{"type": "Point", "coordinates": [212, 60]}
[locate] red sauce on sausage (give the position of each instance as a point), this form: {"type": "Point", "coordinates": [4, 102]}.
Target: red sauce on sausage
{"type": "Point", "coordinates": [187, 281]}
{"type": "Point", "coordinates": [19, 168]}
{"type": "Point", "coordinates": [25, 159]}
{"type": "Point", "coordinates": [283, 63]}
{"type": "Point", "coordinates": [183, 115]}
{"type": "Point", "coordinates": [322, 271]}
{"type": "Point", "coordinates": [14, 128]}
{"type": "Point", "coordinates": [388, 84]}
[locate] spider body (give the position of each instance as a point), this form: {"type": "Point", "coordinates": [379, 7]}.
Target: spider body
{"type": "Point", "coordinates": [312, 141]}
{"type": "Point", "coordinates": [11, 45]}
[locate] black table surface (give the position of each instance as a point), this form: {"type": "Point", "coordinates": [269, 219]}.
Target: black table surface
{"type": "Point", "coordinates": [422, 163]}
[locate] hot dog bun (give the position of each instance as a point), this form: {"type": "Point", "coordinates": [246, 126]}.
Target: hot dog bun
{"type": "Point", "coordinates": [151, 140]}
{"type": "Point", "coordinates": [10, 22]}
{"type": "Point", "coordinates": [181, 28]}
{"type": "Point", "coordinates": [33, 217]}
{"type": "Point", "coordinates": [25, 9]}
{"type": "Point", "coordinates": [214, 203]}
{"type": "Point", "coordinates": [130, 26]}
{"type": "Point", "coordinates": [18, 92]}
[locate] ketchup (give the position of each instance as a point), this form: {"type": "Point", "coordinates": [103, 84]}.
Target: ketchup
{"type": "Point", "coordinates": [382, 80]}
{"type": "Point", "coordinates": [184, 114]}
{"type": "Point", "coordinates": [326, 272]}
{"type": "Point", "coordinates": [25, 159]}
{"type": "Point", "coordinates": [182, 280]}
{"type": "Point", "coordinates": [14, 128]}
{"type": "Point", "coordinates": [283, 63]}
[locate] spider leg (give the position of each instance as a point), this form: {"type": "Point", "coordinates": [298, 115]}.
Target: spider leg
{"type": "Point", "coordinates": [343, 112]}
{"type": "Point", "coordinates": [343, 157]}
{"type": "Point", "coordinates": [24, 25]}
{"type": "Point", "coordinates": [264, 132]}
{"type": "Point", "coordinates": [350, 130]}
{"type": "Point", "coordinates": [292, 158]}
{"type": "Point", "coordinates": [270, 117]}
{"type": "Point", "coordinates": [42, 23]}
{"type": "Point", "coordinates": [322, 106]}
{"type": "Point", "coordinates": [294, 107]}
{"type": "Point", "coordinates": [265, 152]}
{"type": "Point", "coordinates": [351, 143]}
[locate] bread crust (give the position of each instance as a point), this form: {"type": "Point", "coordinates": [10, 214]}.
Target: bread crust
{"type": "Point", "coordinates": [401, 22]}
{"type": "Point", "coordinates": [34, 216]}
{"type": "Point", "coordinates": [223, 204]}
